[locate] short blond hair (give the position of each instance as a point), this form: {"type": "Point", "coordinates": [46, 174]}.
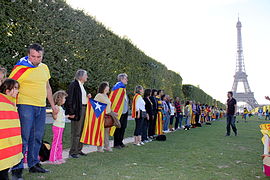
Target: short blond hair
{"type": "Point", "coordinates": [58, 97]}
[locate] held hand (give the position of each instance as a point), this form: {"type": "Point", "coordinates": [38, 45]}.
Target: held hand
{"type": "Point", "coordinates": [55, 110]}
{"type": "Point", "coordinates": [89, 95]}
{"type": "Point", "coordinates": [71, 116]}
{"type": "Point", "coordinates": [147, 116]}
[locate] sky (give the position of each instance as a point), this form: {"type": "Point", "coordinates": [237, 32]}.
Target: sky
{"type": "Point", "coordinates": [195, 38]}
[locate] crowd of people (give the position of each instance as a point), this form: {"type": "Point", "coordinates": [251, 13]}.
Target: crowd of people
{"type": "Point", "coordinates": [23, 112]}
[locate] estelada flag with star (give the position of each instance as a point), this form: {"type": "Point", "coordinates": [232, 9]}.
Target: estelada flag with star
{"type": "Point", "coordinates": [93, 130]}
{"type": "Point", "coordinates": [22, 69]}
{"type": "Point", "coordinates": [117, 98]}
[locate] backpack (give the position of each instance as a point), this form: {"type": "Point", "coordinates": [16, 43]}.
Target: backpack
{"type": "Point", "coordinates": [44, 152]}
{"type": "Point", "coordinates": [161, 137]}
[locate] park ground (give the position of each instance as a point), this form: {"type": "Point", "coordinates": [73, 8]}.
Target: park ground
{"type": "Point", "coordinates": [202, 153]}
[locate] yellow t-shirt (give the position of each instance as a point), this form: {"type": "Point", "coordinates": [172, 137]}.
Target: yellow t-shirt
{"type": "Point", "coordinates": [33, 89]}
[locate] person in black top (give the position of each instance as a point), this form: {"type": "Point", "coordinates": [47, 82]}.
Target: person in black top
{"type": "Point", "coordinates": [149, 117]}
{"type": "Point", "coordinates": [231, 110]}
{"type": "Point", "coordinates": [152, 123]}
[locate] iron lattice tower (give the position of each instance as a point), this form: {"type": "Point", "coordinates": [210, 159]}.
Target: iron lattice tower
{"type": "Point", "coordinates": [240, 74]}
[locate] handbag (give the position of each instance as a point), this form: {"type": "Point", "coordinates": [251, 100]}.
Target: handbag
{"type": "Point", "coordinates": [108, 121]}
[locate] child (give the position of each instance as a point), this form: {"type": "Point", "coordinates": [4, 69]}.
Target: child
{"type": "Point", "coordinates": [59, 99]}
{"type": "Point", "coordinates": [10, 131]}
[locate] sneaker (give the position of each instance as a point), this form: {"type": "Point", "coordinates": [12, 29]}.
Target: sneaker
{"type": "Point", "coordinates": [108, 149]}
{"type": "Point", "coordinates": [117, 147]}
{"type": "Point", "coordinates": [141, 143]}
{"type": "Point", "coordinates": [82, 154]}
{"type": "Point", "coordinates": [137, 144]}
{"type": "Point", "coordinates": [75, 156]}
{"type": "Point", "coordinates": [122, 146]}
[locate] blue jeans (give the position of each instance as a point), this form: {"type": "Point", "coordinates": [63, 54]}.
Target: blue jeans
{"type": "Point", "coordinates": [32, 120]}
{"type": "Point", "coordinates": [231, 123]}
{"type": "Point", "coordinates": [166, 119]}
{"type": "Point", "coordinates": [187, 120]}
{"type": "Point", "coordinates": [179, 119]}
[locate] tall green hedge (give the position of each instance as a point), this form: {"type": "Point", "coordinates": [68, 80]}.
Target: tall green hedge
{"type": "Point", "coordinates": [74, 40]}
{"type": "Point", "coordinates": [196, 94]}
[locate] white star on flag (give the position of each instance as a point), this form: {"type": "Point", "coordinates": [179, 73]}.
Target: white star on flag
{"type": "Point", "coordinates": [98, 106]}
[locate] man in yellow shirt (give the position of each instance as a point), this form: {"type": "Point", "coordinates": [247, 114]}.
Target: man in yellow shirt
{"type": "Point", "coordinates": [33, 77]}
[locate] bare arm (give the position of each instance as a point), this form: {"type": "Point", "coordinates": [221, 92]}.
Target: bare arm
{"type": "Point", "coordinates": [50, 98]}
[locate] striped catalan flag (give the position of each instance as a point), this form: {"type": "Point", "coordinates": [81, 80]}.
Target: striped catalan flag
{"type": "Point", "coordinates": [21, 70]}
{"type": "Point", "coordinates": [10, 133]}
{"type": "Point", "coordinates": [159, 124]}
{"type": "Point", "coordinates": [159, 120]}
{"type": "Point", "coordinates": [117, 98]}
{"type": "Point", "coordinates": [93, 130]}
{"type": "Point", "coordinates": [134, 101]}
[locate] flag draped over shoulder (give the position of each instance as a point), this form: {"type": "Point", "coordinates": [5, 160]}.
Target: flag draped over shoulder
{"type": "Point", "coordinates": [159, 120]}
{"type": "Point", "coordinates": [159, 125]}
{"type": "Point", "coordinates": [10, 133]}
{"type": "Point", "coordinates": [134, 101]}
{"type": "Point", "coordinates": [117, 98]}
{"type": "Point", "coordinates": [93, 130]}
{"type": "Point", "coordinates": [21, 70]}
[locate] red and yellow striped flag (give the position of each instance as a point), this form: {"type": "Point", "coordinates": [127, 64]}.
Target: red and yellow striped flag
{"type": "Point", "coordinates": [159, 120]}
{"type": "Point", "coordinates": [93, 130]}
{"type": "Point", "coordinates": [10, 133]}
{"type": "Point", "coordinates": [133, 107]}
{"type": "Point", "coordinates": [21, 70]}
{"type": "Point", "coordinates": [159, 124]}
{"type": "Point", "coordinates": [117, 98]}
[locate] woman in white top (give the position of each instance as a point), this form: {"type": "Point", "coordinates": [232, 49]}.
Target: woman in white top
{"type": "Point", "coordinates": [172, 115]}
{"type": "Point", "coordinates": [138, 112]}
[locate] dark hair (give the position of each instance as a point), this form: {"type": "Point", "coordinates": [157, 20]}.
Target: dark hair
{"type": "Point", "coordinates": [163, 96]}
{"type": "Point", "coordinates": [187, 103]}
{"type": "Point", "coordinates": [159, 91]}
{"type": "Point", "coordinates": [8, 84]}
{"type": "Point", "coordinates": [102, 86]}
{"type": "Point", "coordinates": [58, 97]}
{"type": "Point", "coordinates": [36, 47]}
{"type": "Point", "coordinates": [147, 92]}
{"type": "Point", "coordinates": [230, 92]}
{"type": "Point", "coordinates": [153, 92]}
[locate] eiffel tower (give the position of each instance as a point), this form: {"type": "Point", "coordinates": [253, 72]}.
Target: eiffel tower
{"type": "Point", "coordinates": [240, 74]}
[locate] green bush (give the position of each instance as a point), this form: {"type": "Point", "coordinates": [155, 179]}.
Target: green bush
{"type": "Point", "coordinates": [74, 40]}
{"type": "Point", "coordinates": [196, 94]}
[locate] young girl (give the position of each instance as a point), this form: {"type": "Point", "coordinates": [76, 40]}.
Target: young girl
{"type": "Point", "coordinates": [58, 127]}
{"type": "Point", "coordinates": [10, 131]}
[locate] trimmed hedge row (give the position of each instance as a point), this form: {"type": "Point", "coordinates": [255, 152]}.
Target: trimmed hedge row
{"type": "Point", "coordinates": [194, 93]}
{"type": "Point", "coordinates": [74, 40]}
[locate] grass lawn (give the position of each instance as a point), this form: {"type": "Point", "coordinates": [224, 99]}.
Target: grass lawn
{"type": "Point", "coordinates": [201, 153]}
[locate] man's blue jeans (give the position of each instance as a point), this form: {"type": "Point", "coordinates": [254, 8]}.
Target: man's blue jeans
{"type": "Point", "coordinates": [32, 120]}
{"type": "Point", "coordinates": [231, 123]}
